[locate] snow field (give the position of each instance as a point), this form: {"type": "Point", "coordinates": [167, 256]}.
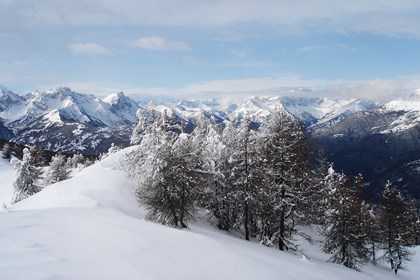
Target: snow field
{"type": "Point", "coordinates": [91, 227]}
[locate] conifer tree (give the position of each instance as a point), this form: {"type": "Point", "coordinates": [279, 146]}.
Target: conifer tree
{"type": "Point", "coordinates": [58, 170]}
{"type": "Point", "coordinates": [6, 151]}
{"type": "Point", "coordinates": [170, 174]}
{"type": "Point", "coordinates": [208, 141]}
{"type": "Point", "coordinates": [76, 161]}
{"type": "Point", "coordinates": [27, 177]}
{"type": "Point", "coordinates": [345, 228]}
{"type": "Point", "coordinates": [395, 224]}
{"type": "Point", "coordinates": [144, 123]}
{"type": "Point", "coordinates": [317, 201]}
{"type": "Point", "coordinates": [414, 209]}
{"type": "Point", "coordinates": [245, 177]}
{"type": "Point", "coordinates": [38, 157]}
{"type": "Point", "coordinates": [285, 173]}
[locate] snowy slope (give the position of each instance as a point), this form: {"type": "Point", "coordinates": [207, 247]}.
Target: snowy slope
{"type": "Point", "coordinates": [411, 116]}
{"type": "Point", "coordinates": [7, 176]}
{"type": "Point", "coordinates": [11, 104]}
{"type": "Point", "coordinates": [90, 227]}
{"type": "Point", "coordinates": [410, 103]}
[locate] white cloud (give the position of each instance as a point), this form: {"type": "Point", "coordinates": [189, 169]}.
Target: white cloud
{"type": "Point", "coordinates": [345, 47]}
{"type": "Point", "coordinates": [376, 90]}
{"type": "Point", "coordinates": [311, 48]}
{"type": "Point", "coordinates": [159, 44]}
{"type": "Point", "coordinates": [89, 48]}
{"type": "Point", "coordinates": [392, 18]}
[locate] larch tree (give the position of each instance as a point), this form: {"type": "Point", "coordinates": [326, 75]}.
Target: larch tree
{"type": "Point", "coordinates": [57, 170]}
{"type": "Point", "coordinates": [27, 177]}
{"type": "Point", "coordinates": [169, 173]}
{"type": "Point", "coordinates": [208, 141]}
{"type": "Point", "coordinates": [6, 151]}
{"type": "Point", "coordinates": [245, 176]}
{"type": "Point", "coordinates": [145, 120]}
{"type": "Point", "coordinates": [285, 174]}
{"type": "Point", "coordinates": [395, 227]}
{"type": "Point", "coordinates": [345, 228]}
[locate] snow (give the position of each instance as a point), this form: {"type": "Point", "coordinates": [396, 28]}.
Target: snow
{"type": "Point", "coordinates": [7, 176]}
{"type": "Point", "coordinates": [411, 117]}
{"type": "Point", "coordinates": [91, 227]}
{"type": "Point", "coordinates": [82, 108]}
{"type": "Point", "coordinates": [113, 98]}
{"type": "Point", "coordinates": [410, 103]}
{"type": "Point", "coordinates": [53, 117]}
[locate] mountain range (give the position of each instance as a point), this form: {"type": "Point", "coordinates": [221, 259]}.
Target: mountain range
{"type": "Point", "coordinates": [64, 120]}
{"type": "Point", "coordinates": [380, 140]}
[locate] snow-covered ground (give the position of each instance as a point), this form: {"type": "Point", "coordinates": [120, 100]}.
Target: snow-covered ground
{"type": "Point", "coordinates": [7, 176]}
{"type": "Point", "coordinates": [90, 227]}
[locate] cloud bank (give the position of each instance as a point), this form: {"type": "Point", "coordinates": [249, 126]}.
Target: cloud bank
{"type": "Point", "coordinates": [391, 18]}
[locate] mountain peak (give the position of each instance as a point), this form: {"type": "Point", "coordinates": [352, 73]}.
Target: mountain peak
{"type": "Point", "coordinates": [409, 103]}
{"type": "Point", "coordinates": [115, 98]}
{"type": "Point", "coordinates": [8, 99]}
{"type": "Point", "coordinates": [64, 89]}
{"type": "Point", "coordinates": [3, 88]}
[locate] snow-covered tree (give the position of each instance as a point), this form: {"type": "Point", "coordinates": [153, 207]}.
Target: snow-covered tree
{"type": "Point", "coordinates": [285, 175]}
{"type": "Point", "coordinates": [169, 174]}
{"type": "Point", "coordinates": [414, 209]}
{"type": "Point", "coordinates": [364, 223]}
{"type": "Point", "coordinates": [27, 177]}
{"type": "Point", "coordinates": [245, 176]}
{"type": "Point", "coordinates": [317, 200]}
{"type": "Point", "coordinates": [394, 225]}
{"type": "Point", "coordinates": [346, 222]}
{"type": "Point", "coordinates": [76, 161]}
{"type": "Point", "coordinates": [6, 151]}
{"type": "Point", "coordinates": [38, 156]}
{"type": "Point", "coordinates": [208, 143]}
{"type": "Point", "coordinates": [57, 170]}
{"type": "Point", "coordinates": [144, 124]}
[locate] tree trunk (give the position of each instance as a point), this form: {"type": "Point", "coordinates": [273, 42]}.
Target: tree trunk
{"type": "Point", "coordinates": [282, 245]}
{"type": "Point", "coordinates": [246, 221]}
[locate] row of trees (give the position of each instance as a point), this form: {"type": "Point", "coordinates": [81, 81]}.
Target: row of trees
{"type": "Point", "coordinates": [357, 232]}
{"type": "Point", "coordinates": [31, 175]}
{"type": "Point", "coordinates": [259, 181]}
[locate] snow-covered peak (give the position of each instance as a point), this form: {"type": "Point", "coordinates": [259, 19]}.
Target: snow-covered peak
{"type": "Point", "coordinates": [256, 108]}
{"type": "Point", "coordinates": [122, 106]}
{"type": "Point", "coordinates": [410, 103]}
{"type": "Point", "coordinates": [53, 117]}
{"type": "Point", "coordinates": [333, 110]}
{"type": "Point", "coordinates": [10, 103]}
{"type": "Point", "coordinates": [8, 98]}
{"type": "Point", "coordinates": [410, 115]}
{"type": "Point", "coordinates": [5, 90]}
{"type": "Point", "coordinates": [308, 110]}
{"type": "Point", "coordinates": [72, 106]}
{"type": "Point", "coordinates": [115, 98]}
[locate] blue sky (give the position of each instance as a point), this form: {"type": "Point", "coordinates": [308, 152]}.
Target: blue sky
{"type": "Point", "coordinates": [189, 48]}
